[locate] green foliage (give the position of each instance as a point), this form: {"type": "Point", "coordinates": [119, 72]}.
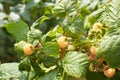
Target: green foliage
{"type": "Point", "coordinates": [49, 76]}
{"type": "Point", "coordinates": [75, 64]}
{"type": "Point", "coordinates": [38, 70]}
{"type": "Point", "coordinates": [50, 61]}
{"type": "Point", "coordinates": [74, 27]}
{"type": "Point", "coordinates": [34, 34]}
{"type": "Point", "coordinates": [18, 30]}
{"type": "Point", "coordinates": [92, 18]}
{"type": "Point", "coordinates": [111, 16]}
{"type": "Point", "coordinates": [109, 47]}
{"type": "Point", "coordinates": [19, 46]}
{"type": "Point", "coordinates": [82, 23]}
{"type": "Point", "coordinates": [25, 65]}
{"type": "Point", "coordinates": [64, 7]}
{"type": "Point", "coordinates": [51, 49]}
{"type": "Point", "coordinates": [57, 31]}
{"type": "Point", "coordinates": [11, 71]}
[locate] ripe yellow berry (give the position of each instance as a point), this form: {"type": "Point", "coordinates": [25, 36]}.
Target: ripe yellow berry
{"type": "Point", "coordinates": [93, 50]}
{"type": "Point", "coordinates": [62, 41]}
{"type": "Point", "coordinates": [110, 72]}
{"type": "Point", "coordinates": [28, 49]}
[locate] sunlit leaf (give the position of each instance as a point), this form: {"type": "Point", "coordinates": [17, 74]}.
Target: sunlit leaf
{"type": "Point", "coordinates": [10, 70]}
{"type": "Point", "coordinates": [75, 64]}
{"type": "Point", "coordinates": [111, 17]}
{"type": "Point", "coordinates": [51, 49]}
{"type": "Point", "coordinates": [110, 48]}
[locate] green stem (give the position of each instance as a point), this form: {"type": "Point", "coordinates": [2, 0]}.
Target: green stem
{"type": "Point", "coordinates": [37, 21]}
{"type": "Point", "coordinates": [63, 75]}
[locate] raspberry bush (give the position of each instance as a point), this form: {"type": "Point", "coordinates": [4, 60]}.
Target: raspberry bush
{"type": "Point", "coordinates": [83, 43]}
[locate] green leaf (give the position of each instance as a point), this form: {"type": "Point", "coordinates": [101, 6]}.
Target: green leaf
{"type": "Point", "coordinates": [93, 4]}
{"type": "Point", "coordinates": [110, 48]}
{"type": "Point", "coordinates": [49, 76]}
{"type": "Point", "coordinates": [10, 70]}
{"type": "Point", "coordinates": [51, 49]}
{"type": "Point", "coordinates": [49, 61]}
{"type": "Point", "coordinates": [31, 75]}
{"type": "Point", "coordinates": [34, 34]}
{"type": "Point", "coordinates": [25, 15]}
{"type": "Point", "coordinates": [89, 4]}
{"type": "Point", "coordinates": [38, 70]}
{"type": "Point", "coordinates": [75, 64]}
{"type": "Point", "coordinates": [92, 18]}
{"type": "Point", "coordinates": [19, 46]}
{"type": "Point", "coordinates": [51, 35]}
{"type": "Point", "coordinates": [47, 4]}
{"type": "Point", "coordinates": [74, 27]}
{"type": "Point", "coordinates": [25, 65]}
{"type": "Point", "coordinates": [64, 7]}
{"type": "Point", "coordinates": [18, 30]}
{"type": "Point", "coordinates": [32, 3]}
{"type": "Point", "coordinates": [39, 21]}
{"type": "Point", "coordinates": [111, 17]}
